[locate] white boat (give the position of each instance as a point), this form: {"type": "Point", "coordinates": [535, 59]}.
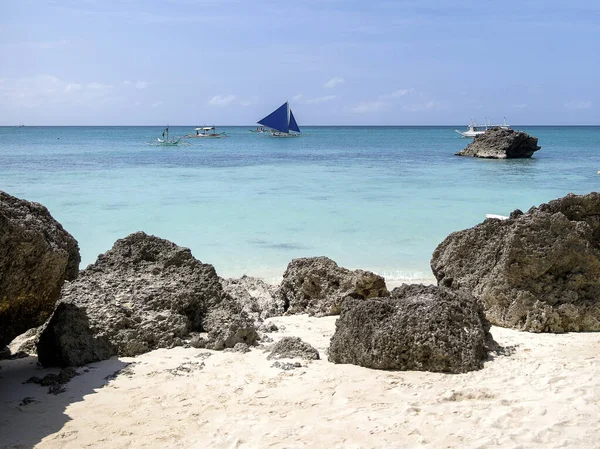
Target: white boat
{"type": "Point", "coordinates": [473, 129]}
{"type": "Point", "coordinates": [259, 129]}
{"type": "Point", "coordinates": [281, 121]}
{"type": "Point", "coordinates": [207, 131]}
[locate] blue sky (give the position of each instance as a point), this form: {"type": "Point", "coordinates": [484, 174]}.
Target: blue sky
{"type": "Point", "coordinates": [231, 62]}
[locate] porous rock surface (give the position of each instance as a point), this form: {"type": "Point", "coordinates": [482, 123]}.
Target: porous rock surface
{"type": "Point", "coordinates": [36, 256]}
{"type": "Point", "coordinates": [500, 143]}
{"type": "Point", "coordinates": [420, 328]}
{"type": "Point", "coordinates": [257, 298]}
{"type": "Point", "coordinates": [26, 342]}
{"type": "Point", "coordinates": [537, 272]}
{"type": "Point", "coordinates": [293, 347]}
{"type": "Point", "coordinates": [318, 286]}
{"type": "Point", "coordinates": [144, 293]}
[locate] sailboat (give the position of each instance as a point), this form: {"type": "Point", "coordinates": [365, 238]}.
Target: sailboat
{"type": "Point", "coordinates": [281, 121]}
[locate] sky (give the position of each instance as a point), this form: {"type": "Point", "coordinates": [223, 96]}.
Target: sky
{"type": "Point", "coordinates": [338, 62]}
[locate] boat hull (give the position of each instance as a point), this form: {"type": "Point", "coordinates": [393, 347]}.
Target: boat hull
{"type": "Point", "coordinates": [167, 143]}
{"type": "Point", "coordinates": [210, 136]}
{"type": "Point", "coordinates": [284, 135]}
{"type": "Point", "coordinates": [469, 133]}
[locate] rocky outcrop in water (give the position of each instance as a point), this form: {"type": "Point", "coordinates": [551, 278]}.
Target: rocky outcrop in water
{"type": "Point", "coordinates": [500, 143]}
{"type": "Point", "coordinates": [318, 286]}
{"type": "Point", "coordinates": [257, 298]}
{"type": "Point", "coordinates": [144, 293]}
{"type": "Point", "coordinates": [537, 272]}
{"type": "Point", "coordinates": [422, 328]}
{"type": "Point", "coordinates": [36, 256]}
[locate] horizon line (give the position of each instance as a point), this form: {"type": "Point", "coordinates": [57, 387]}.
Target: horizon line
{"type": "Point", "coordinates": [305, 126]}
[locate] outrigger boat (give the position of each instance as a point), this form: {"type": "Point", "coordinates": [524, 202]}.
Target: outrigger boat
{"type": "Point", "coordinates": [473, 129]}
{"type": "Point", "coordinates": [205, 131]}
{"type": "Point", "coordinates": [165, 140]}
{"type": "Point", "coordinates": [281, 121]}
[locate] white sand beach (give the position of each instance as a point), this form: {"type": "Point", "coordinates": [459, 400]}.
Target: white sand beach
{"type": "Point", "coordinates": [544, 393]}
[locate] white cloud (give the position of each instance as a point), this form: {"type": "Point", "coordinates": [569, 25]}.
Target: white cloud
{"type": "Point", "coordinates": [72, 87]}
{"type": "Point", "coordinates": [368, 107]}
{"type": "Point", "coordinates": [401, 92]}
{"type": "Point", "coordinates": [584, 104]}
{"type": "Point", "coordinates": [297, 97]}
{"type": "Point", "coordinates": [320, 99]}
{"type": "Point", "coordinates": [46, 90]}
{"type": "Point", "coordinates": [141, 85]}
{"type": "Point", "coordinates": [333, 82]}
{"type": "Point", "coordinates": [157, 104]}
{"type": "Point", "coordinates": [221, 100]}
{"type": "Point", "coordinates": [98, 86]}
{"type": "Point", "coordinates": [519, 106]}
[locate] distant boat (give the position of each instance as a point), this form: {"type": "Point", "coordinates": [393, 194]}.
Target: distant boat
{"type": "Point", "coordinates": [165, 140]}
{"type": "Point", "coordinates": [205, 131]}
{"type": "Point", "coordinates": [281, 121]}
{"type": "Point", "coordinates": [259, 129]}
{"type": "Point", "coordinates": [473, 129]}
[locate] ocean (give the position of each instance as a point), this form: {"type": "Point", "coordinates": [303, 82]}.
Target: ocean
{"type": "Point", "coordinates": [375, 198]}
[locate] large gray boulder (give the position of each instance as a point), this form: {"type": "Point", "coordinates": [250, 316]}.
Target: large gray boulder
{"type": "Point", "coordinates": [257, 298]}
{"type": "Point", "coordinates": [144, 293]}
{"type": "Point", "coordinates": [501, 143]}
{"type": "Point", "coordinates": [538, 272]}
{"type": "Point", "coordinates": [318, 286]}
{"type": "Point", "coordinates": [36, 256]}
{"type": "Point", "coordinates": [420, 328]}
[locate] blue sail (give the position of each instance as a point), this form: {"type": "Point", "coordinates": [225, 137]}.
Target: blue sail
{"type": "Point", "coordinates": [293, 124]}
{"type": "Point", "coordinates": [278, 119]}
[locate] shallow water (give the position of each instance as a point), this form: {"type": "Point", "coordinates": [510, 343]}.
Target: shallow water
{"type": "Point", "coordinates": [377, 198]}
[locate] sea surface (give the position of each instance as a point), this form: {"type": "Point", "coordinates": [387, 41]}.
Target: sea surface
{"type": "Point", "coordinates": [376, 198]}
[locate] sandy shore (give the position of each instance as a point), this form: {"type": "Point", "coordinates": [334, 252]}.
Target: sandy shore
{"type": "Point", "coordinates": [544, 393]}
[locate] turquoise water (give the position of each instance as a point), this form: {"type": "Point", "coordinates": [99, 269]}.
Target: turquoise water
{"type": "Point", "coordinates": [377, 198]}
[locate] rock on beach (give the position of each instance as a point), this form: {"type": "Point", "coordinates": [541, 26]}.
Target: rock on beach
{"type": "Point", "coordinates": [537, 272]}
{"type": "Point", "coordinates": [143, 294]}
{"type": "Point", "coordinates": [318, 286]}
{"type": "Point", "coordinates": [422, 328]}
{"type": "Point", "coordinates": [36, 256]}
